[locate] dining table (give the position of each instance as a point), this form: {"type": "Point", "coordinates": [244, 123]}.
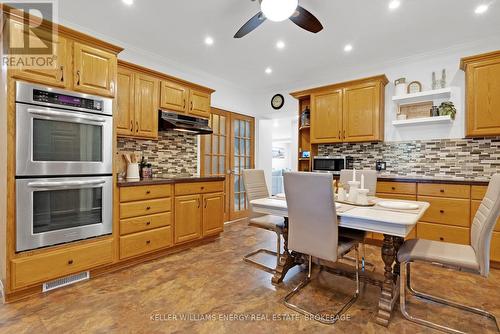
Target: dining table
{"type": "Point", "coordinates": [394, 223]}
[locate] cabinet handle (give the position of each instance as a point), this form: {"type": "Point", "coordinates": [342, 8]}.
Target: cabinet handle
{"type": "Point", "coordinates": [198, 203]}
{"type": "Point", "coordinates": [148, 192]}
{"type": "Point", "coordinates": [62, 73]}
{"type": "Point", "coordinates": [148, 208]}
{"type": "Point", "coordinates": [184, 104]}
{"type": "Point", "coordinates": [442, 190]}
{"type": "Point", "coordinates": [344, 134]}
{"type": "Point", "coordinates": [148, 223]}
{"type": "Point", "coordinates": [393, 188]}
{"type": "Point", "coordinates": [442, 211]}
{"type": "Point", "coordinates": [441, 238]}
{"type": "Point", "coordinates": [70, 262]}
{"type": "Point", "coordinates": [191, 105]}
{"type": "Point", "coordinates": [132, 126]}
{"type": "Point", "coordinates": [202, 188]}
{"type": "Point", "coordinates": [112, 87]}
{"type": "Point", "coordinates": [136, 126]}
{"type": "Point", "coordinates": [148, 242]}
{"type": "Point", "coordinates": [205, 203]}
{"type": "Point", "coordinates": [339, 134]}
{"type": "Point", "coordinates": [78, 77]}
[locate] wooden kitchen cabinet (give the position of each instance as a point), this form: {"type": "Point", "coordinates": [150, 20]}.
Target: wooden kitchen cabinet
{"type": "Point", "coordinates": [199, 103]}
{"type": "Point", "coordinates": [213, 213]}
{"type": "Point", "coordinates": [363, 113]}
{"type": "Point", "coordinates": [174, 96]}
{"type": "Point", "coordinates": [188, 214]}
{"type": "Point", "coordinates": [125, 113]}
{"type": "Point", "coordinates": [94, 70]}
{"type": "Point", "coordinates": [326, 117]}
{"type": "Point", "coordinates": [482, 74]}
{"type": "Point", "coordinates": [347, 112]}
{"type": "Point", "coordinates": [59, 75]}
{"type": "Point", "coordinates": [146, 106]}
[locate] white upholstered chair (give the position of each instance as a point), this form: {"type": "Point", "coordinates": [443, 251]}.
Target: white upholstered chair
{"type": "Point", "coordinates": [313, 229]}
{"type": "Point", "coordinates": [255, 186]}
{"type": "Point", "coordinates": [371, 185]}
{"type": "Point", "coordinates": [474, 258]}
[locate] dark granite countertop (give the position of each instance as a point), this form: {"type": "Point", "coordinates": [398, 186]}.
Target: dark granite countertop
{"type": "Point", "coordinates": [170, 180]}
{"type": "Point", "coordinates": [432, 179]}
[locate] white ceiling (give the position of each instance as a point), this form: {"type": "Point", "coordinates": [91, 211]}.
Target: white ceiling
{"type": "Point", "coordinates": [176, 30]}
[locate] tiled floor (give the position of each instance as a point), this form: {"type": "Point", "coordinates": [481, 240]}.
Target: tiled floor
{"type": "Point", "coordinates": [212, 282]}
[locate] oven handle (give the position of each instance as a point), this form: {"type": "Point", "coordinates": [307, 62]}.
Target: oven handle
{"type": "Point", "coordinates": [41, 184]}
{"type": "Point", "coordinates": [66, 114]}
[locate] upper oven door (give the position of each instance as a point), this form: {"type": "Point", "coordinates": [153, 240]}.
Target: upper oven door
{"type": "Point", "coordinates": [331, 165]}
{"type": "Point", "coordinates": [52, 141]}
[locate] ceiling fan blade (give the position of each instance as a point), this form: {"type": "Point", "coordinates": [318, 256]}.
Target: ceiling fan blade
{"type": "Point", "coordinates": [306, 20]}
{"type": "Point", "coordinates": [253, 23]}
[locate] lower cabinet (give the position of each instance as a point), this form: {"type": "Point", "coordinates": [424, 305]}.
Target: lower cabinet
{"type": "Point", "coordinates": [441, 232]}
{"type": "Point", "coordinates": [213, 214]}
{"type": "Point", "coordinates": [145, 242]}
{"type": "Point", "coordinates": [44, 267]}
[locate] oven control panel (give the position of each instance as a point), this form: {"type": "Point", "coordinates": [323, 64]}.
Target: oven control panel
{"type": "Point", "coordinates": [66, 100]}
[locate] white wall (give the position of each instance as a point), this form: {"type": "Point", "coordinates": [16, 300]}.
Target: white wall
{"type": "Point", "coordinates": [263, 151]}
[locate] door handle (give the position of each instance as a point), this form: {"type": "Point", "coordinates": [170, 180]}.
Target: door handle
{"type": "Point", "coordinates": [58, 184]}
{"type": "Point", "coordinates": [70, 115]}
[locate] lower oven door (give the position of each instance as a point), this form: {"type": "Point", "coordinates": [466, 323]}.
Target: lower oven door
{"type": "Point", "coordinates": [59, 210]}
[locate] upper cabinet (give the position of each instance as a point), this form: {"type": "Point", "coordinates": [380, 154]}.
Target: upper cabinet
{"type": "Point", "coordinates": [125, 101]}
{"type": "Point", "coordinates": [81, 63]}
{"type": "Point", "coordinates": [482, 94]}
{"type": "Point", "coordinates": [146, 106]}
{"type": "Point", "coordinates": [347, 112]}
{"type": "Point", "coordinates": [184, 99]}
{"type": "Point", "coordinates": [94, 70]}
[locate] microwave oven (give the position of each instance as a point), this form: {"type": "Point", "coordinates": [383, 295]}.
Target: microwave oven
{"type": "Point", "coordinates": [331, 165]}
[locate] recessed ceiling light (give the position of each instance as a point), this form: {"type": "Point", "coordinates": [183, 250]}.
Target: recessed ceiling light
{"type": "Point", "coordinates": [269, 70]}
{"type": "Point", "coordinates": [209, 40]}
{"type": "Point", "coordinates": [394, 4]}
{"type": "Point", "coordinates": [276, 124]}
{"type": "Point", "coordinates": [128, 2]}
{"type": "Point", "coordinates": [481, 9]}
{"type": "Point", "coordinates": [348, 48]}
{"type": "Point", "coordinates": [280, 45]}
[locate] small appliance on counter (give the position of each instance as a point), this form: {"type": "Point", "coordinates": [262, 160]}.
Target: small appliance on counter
{"type": "Point", "coordinates": [332, 165]}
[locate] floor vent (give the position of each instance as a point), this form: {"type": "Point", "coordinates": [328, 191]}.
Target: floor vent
{"type": "Point", "coordinates": [59, 283]}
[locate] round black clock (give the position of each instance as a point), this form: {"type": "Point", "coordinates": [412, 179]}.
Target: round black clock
{"type": "Point", "coordinates": [277, 101]}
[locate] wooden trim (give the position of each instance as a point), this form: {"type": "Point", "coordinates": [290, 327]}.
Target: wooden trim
{"type": "Point", "coordinates": [304, 93]}
{"type": "Point", "coordinates": [162, 76]}
{"type": "Point", "coordinates": [28, 292]}
{"type": "Point", "coordinates": [17, 15]}
{"type": "Point", "coordinates": [466, 61]}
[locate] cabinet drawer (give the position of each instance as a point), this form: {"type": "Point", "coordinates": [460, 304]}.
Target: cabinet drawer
{"type": "Point", "coordinates": [198, 188]}
{"type": "Point", "coordinates": [478, 192]}
{"type": "Point", "coordinates": [495, 247]}
{"type": "Point", "coordinates": [454, 234]}
{"type": "Point", "coordinates": [396, 188]}
{"type": "Point", "coordinates": [145, 223]}
{"type": "Point", "coordinates": [397, 196]}
{"type": "Point", "coordinates": [474, 206]}
{"type": "Point", "coordinates": [444, 190]}
{"type": "Point", "coordinates": [142, 208]}
{"type": "Point", "coordinates": [144, 242]}
{"type": "Point", "coordinates": [128, 194]}
{"type": "Point", "coordinates": [449, 211]}
{"type": "Point", "coordinates": [45, 267]}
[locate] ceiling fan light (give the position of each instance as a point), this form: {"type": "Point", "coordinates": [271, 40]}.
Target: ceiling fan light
{"type": "Point", "coordinates": [278, 10]}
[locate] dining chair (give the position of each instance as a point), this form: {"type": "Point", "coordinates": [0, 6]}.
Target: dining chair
{"type": "Point", "coordinates": [256, 188]}
{"type": "Point", "coordinates": [474, 258]}
{"type": "Point", "coordinates": [313, 230]}
{"type": "Point", "coordinates": [371, 185]}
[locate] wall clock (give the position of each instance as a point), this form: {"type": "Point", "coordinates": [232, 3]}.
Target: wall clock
{"type": "Point", "coordinates": [277, 101]}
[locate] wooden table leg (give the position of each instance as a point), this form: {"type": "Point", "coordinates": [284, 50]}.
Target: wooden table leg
{"type": "Point", "coordinates": [287, 260]}
{"type": "Point", "coordinates": [398, 241]}
{"type": "Point", "coordinates": [385, 303]}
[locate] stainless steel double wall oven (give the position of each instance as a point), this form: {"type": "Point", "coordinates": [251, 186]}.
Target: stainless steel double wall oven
{"type": "Point", "coordinates": [64, 153]}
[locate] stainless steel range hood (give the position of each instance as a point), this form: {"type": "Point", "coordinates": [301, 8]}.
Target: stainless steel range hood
{"type": "Point", "coordinates": [173, 121]}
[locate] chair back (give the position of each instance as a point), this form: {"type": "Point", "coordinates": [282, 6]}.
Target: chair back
{"type": "Point", "coordinates": [254, 181]}
{"type": "Point", "coordinates": [370, 179]}
{"type": "Point", "coordinates": [312, 219]}
{"type": "Point", "coordinates": [484, 223]}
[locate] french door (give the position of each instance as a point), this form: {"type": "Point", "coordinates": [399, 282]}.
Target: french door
{"type": "Point", "coordinates": [226, 152]}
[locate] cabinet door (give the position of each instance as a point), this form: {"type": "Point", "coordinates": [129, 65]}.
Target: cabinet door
{"type": "Point", "coordinates": [483, 98]}
{"type": "Point", "coordinates": [125, 117]}
{"type": "Point", "coordinates": [188, 213]}
{"type": "Point", "coordinates": [199, 104]}
{"type": "Point", "coordinates": [326, 117]}
{"type": "Point", "coordinates": [174, 96]}
{"type": "Point", "coordinates": [94, 70]}
{"type": "Point", "coordinates": [146, 106]}
{"type": "Point", "coordinates": [57, 76]}
{"type": "Point", "coordinates": [362, 113]}
{"type": "Point", "coordinates": [213, 213]}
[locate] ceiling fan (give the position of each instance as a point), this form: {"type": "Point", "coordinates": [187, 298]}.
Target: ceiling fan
{"type": "Point", "coordinates": [280, 10]}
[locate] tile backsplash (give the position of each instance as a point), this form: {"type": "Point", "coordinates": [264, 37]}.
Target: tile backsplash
{"type": "Point", "coordinates": [173, 152]}
{"type": "Point", "coordinates": [476, 158]}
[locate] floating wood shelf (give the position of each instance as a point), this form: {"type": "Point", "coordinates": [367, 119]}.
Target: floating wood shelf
{"type": "Point", "coordinates": [304, 159]}
{"type": "Point", "coordinates": [305, 127]}
{"type": "Point", "coordinates": [423, 120]}
{"type": "Point", "coordinates": [436, 94]}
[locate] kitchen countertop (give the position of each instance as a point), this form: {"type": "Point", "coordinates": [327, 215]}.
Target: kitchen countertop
{"type": "Point", "coordinates": [432, 179]}
{"type": "Point", "coordinates": [170, 180]}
